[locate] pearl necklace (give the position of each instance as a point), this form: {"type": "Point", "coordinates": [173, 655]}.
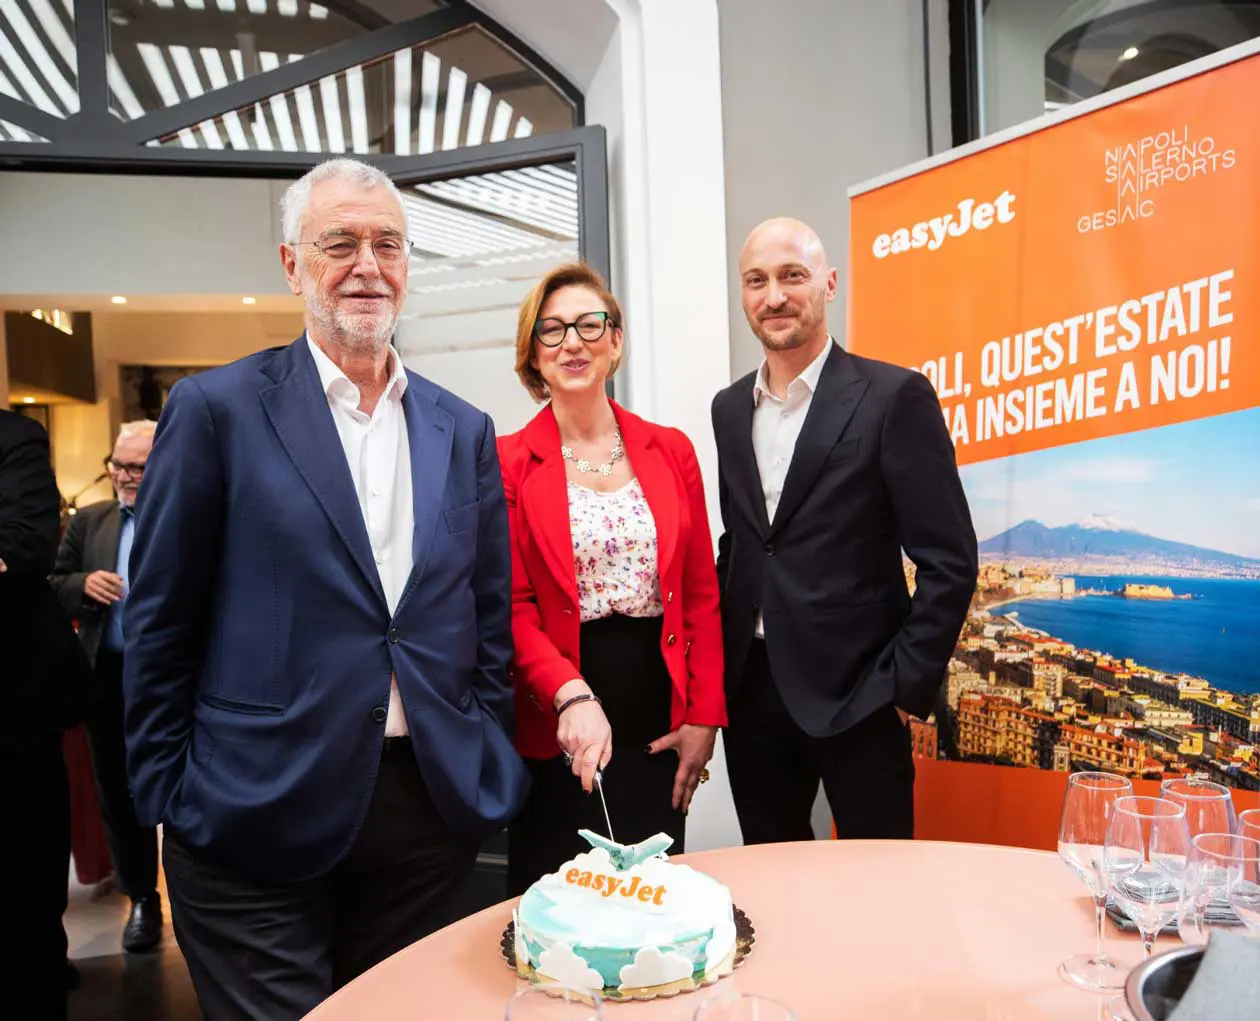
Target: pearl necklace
{"type": "Point", "coordinates": [585, 466]}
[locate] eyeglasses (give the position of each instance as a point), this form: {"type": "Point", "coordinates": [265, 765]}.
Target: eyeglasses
{"type": "Point", "coordinates": [389, 249]}
{"type": "Point", "coordinates": [123, 468]}
{"type": "Point", "coordinates": [590, 326]}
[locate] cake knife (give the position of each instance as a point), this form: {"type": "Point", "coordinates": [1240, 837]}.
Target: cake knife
{"type": "Point", "coordinates": [599, 786]}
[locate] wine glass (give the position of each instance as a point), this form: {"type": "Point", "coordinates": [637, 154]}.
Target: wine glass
{"type": "Point", "coordinates": [1249, 824]}
{"type": "Point", "coordinates": [1087, 806]}
{"type": "Point", "coordinates": [551, 1001]}
{"type": "Point", "coordinates": [1209, 806]}
{"type": "Point", "coordinates": [1144, 862]}
{"type": "Point", "coordinates": [733, 1006]}
{"type": "Point", "coordinates": [1243, 894]}
{"type": "Point", "coordinates": [1213, 866]}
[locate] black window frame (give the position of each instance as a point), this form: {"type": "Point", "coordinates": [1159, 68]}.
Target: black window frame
{"type": "Point", "coordinates": [94, 140]}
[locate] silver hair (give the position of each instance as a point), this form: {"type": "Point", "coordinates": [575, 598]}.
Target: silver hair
{"type": "Point", "coordinates": [297, 196]}
{"type": "Point", "coordinates": [140, 427]}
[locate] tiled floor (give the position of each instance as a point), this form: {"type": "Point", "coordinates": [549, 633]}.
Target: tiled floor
{"type": "Point", "coordinates": [116, 986]}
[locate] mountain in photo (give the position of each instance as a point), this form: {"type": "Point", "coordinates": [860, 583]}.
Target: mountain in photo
{"type": "Point", "coordinates": [1104, 538]}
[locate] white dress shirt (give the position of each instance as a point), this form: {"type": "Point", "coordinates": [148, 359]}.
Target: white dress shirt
{"type": "Point", "coordinates": [776, 427]}
{"type": "Point", "coordinates": [380, 463]}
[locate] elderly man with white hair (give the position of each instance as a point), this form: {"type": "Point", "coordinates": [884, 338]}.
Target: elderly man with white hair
{"type": "Point", "coordinates": [318, 632]}
{"type": "Point", "coordinates": [90, 577]}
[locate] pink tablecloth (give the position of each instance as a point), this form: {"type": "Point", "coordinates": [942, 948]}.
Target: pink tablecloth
{"type": "Point", "coordinates": [845, 929]}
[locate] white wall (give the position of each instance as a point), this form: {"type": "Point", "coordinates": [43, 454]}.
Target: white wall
{"type": "Point", "coordinates": [107, 234]}
{"type": "Point", "coordinates": [819, 95]}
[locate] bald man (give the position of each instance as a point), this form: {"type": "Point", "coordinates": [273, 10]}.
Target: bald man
{"type": "Point", "coordinates": [830, 465]}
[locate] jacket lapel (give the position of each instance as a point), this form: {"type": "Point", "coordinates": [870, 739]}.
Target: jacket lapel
{"type": "Point", "coordinates": [840, 388]}
{"type": "Point", "coordinates": [544, 501]}
{"type": "Point", "coordinates": [298, 409]}
{"type": "Point", "coordinates": [430, 433]}
{"type": "Point", "coordinates": [745, 483]}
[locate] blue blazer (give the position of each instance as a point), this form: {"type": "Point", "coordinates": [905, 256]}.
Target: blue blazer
{"type": "Point", "coordinates": [259, 644]}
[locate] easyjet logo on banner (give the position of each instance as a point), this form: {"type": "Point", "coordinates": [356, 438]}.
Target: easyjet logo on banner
{"type": "Point", "coordinates": [931, 234]}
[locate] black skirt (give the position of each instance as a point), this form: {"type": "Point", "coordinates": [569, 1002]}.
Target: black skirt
{"type": "Point", "coordinates": [622, 663]}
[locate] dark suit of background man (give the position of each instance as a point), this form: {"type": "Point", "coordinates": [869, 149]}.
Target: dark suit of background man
{"type": "Point", "coordinates": [90, 579]}
{"type": "Point", "coordinates": [45, 684]}
{"type": "Point", "coordinates": [318, 632]}
{"type": "Point", "coordinates": [829, 466]}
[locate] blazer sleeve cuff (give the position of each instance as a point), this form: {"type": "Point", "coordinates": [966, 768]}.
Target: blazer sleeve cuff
{"type": "Point", "coordinates": [710, 717]}
{"type": "Point", "coordinates": [709, 710]}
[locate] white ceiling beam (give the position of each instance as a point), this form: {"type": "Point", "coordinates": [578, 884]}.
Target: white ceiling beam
{"type": "Point", "coordinates": [456, 83]}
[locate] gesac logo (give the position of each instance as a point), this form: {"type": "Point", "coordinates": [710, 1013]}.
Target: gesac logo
{"type": "Point", "coordinates": [1151, 164]}
{"type": "Point", "coordinates": [931, 234]}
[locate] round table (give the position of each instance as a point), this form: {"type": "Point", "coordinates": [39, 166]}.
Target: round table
{"type": "Point", "coordinates": [853, 929]}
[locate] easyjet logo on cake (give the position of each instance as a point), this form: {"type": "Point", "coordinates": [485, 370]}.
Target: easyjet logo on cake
{"type": "Point", "coordinates": [931, 234]}
{"type": "Point", "coordinates": [608, 885]}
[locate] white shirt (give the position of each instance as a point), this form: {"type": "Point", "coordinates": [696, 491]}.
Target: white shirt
{"type": "Point", "coordinates": [380, 463]}
{"type": "Point", "coordinates": [776, 427]}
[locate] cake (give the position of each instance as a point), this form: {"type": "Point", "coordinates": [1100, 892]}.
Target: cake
{"type": "Point", "coordinates": [626, 922]}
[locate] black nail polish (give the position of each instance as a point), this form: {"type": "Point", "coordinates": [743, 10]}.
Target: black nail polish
{"type": "Point", "coordinates": [648, 749]}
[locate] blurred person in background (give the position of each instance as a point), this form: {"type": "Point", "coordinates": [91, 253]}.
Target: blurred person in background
{"type": "Point", "coordinates": [45, 686]}
{"type": "Point", "coordinates": [90, 578]}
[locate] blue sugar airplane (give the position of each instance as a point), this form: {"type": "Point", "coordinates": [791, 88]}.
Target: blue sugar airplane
{"type": "Point", "coordinates": [626, 856]}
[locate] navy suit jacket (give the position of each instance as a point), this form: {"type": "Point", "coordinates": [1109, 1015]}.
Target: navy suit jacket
{"type": "Point", "coordinates": [259, 644]}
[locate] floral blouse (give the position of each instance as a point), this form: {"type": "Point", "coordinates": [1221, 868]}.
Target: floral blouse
{"type": "Point", "coordinates": [614, 552]}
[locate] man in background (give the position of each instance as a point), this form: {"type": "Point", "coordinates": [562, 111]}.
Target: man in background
{"type": "Point", "coordinates": [90, 578]}
{"type": "Point", "coordinates": [45, 683]}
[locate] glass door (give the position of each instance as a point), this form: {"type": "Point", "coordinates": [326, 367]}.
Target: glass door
{"type": "Point", "coordinates": [483, 241]}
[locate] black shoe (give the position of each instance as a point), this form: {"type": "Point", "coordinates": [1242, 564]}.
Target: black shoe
{"type": "Point", "coordinates": [144, 926]}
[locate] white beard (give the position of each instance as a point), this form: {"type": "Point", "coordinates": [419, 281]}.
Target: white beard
{"type": "Point", "coordinates": [360, 333]}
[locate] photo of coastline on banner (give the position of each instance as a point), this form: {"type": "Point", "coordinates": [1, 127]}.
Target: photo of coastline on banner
{"type": "Point", "coordinates": [1083, 298]}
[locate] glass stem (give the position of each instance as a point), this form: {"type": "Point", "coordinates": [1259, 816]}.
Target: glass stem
{"type": "Point", "coordinates": [1100, 912]}
{"type": "Point", "coordinates": [1148, 943]}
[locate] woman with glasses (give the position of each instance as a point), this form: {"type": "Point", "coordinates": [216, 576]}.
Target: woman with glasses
{"type": "Point", "coordinates": [618, 665]}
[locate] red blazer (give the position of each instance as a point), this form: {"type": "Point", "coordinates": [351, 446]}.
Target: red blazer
{"type": "Point", "coordinates": [545, 615]}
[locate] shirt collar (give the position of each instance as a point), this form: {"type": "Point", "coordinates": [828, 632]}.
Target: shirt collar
{"type": "Point", "coordinates": [809, 378]}
{"type": "Point", "coordinates": [334, 381]}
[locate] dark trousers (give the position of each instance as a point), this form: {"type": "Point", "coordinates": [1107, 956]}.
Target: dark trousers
{"type": "Point", "coordinates": [35, 861]}
{"type": "Point", "coordinates": [774, 767]}
{"type": "Point", "coordinates": [622, 663]}
{"type": "Point", "coordinates": [134, 848]}
{"type": "Point", "coordinates": [270, 952]}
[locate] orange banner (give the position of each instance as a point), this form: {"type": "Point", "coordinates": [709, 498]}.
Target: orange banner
{"type": "Point", "coordinates": [1091, 278]}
